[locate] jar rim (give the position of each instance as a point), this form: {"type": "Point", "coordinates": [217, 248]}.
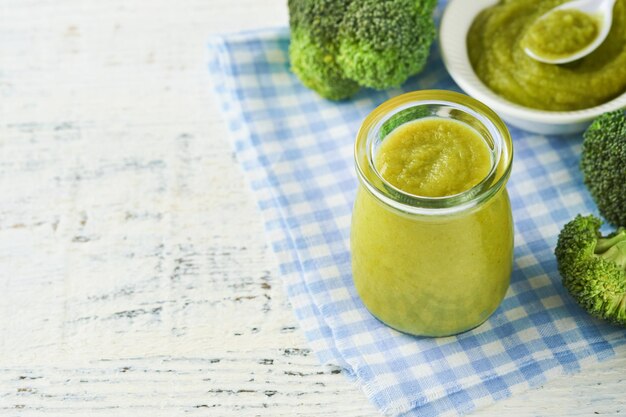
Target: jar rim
{"type": "Point", "coordinates": [374, 182]}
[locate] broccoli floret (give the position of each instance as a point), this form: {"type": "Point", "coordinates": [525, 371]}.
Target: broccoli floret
{"type": "Point", "coordinates": [382, 43]}
{"type": "Point", "coordinates": [593, 267]}
{"type": "Point", "coordinates": [312, 51]}
{"type": "Point", "coordinates": [603, 164]}
{"type": "Point", "coordinates": [338, 46]}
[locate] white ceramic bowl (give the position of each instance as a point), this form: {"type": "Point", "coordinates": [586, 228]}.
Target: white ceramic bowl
{"type": "Point", "coordinates": [455, 23]}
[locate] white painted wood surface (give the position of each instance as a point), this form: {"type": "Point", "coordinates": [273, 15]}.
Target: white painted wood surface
{"type": "Point", "coordinates": [134, 275]}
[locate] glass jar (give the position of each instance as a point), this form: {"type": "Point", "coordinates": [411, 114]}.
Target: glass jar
{"type": "Point", "coordinates": [432, 266]}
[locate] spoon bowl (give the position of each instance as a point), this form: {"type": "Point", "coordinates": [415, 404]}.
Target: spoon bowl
{"type": "Point", "coordinates": [601, 9]}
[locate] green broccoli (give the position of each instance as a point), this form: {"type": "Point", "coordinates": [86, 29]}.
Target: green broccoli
{"type": "Point", "coordinates": [603, 164]}
{"type": "Point", "coordinates": [593, 267]}
{"type": "Point", "coordinates": [338, 46]}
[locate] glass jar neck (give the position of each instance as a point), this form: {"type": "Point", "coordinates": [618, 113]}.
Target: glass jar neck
{"type": "Point", "coordinates": [439, 104]}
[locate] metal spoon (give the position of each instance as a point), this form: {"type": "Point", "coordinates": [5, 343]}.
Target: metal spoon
{"type": "Point", "coordinates": [601, 8]}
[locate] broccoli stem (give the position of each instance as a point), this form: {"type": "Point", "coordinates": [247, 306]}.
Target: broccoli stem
{"type": "Point", "coordinates": [617, 254]}
{"type": "Point", "coordinates": [605, 243]}
{"type": "Point", "coordinates": [613, 248]}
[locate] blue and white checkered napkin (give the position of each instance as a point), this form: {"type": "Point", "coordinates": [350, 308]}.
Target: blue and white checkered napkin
{"type": "Point", "coordinates": [296, 149]}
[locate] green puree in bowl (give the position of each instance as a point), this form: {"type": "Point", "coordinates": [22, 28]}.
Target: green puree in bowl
{"type": "Point", "coordinates": [561, 33]}
{"type": "Point", "coordinates": [495, 46]}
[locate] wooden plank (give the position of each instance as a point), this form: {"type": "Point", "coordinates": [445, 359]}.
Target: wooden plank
{"type": "Point", "coordinates": [135, 275]}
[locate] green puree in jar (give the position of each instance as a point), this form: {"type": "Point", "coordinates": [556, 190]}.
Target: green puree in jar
{"type": "Point", "coordinates": [432, 275]}
{"type": "Point", "coordinates": [561, 33]}
{"type": "Point", "coordinates": [433, 157]}
{"type": "Point", "coordinates": [496, 51]}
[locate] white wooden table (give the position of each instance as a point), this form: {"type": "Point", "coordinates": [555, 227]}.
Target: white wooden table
{"type": "Point", "coordinates": [134, 275]}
